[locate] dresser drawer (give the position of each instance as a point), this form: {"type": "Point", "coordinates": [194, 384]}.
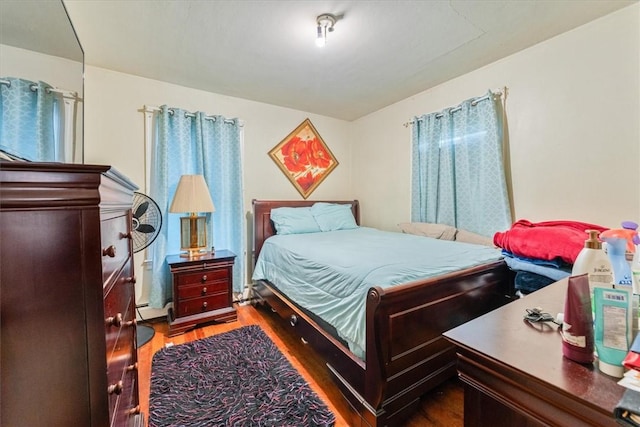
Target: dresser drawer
{"type": "Point", "coordinates": [115, 244]}
{"type": "Point", "coordinates": [202, 276]}
{"type": "Point", "coordinates": [202, 305]}
{"type": "Point", "coordinates": [202, 290]}
{"type": "Point", "coordinates": [119, 307]}
{"type": "Point", "coordinates": [127, 405]}
{"type": "Point", "coordinates": [121, 364]}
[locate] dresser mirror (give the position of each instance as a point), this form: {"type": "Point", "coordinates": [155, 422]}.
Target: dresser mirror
{"type": "Point", "coordinates": [39, 44]}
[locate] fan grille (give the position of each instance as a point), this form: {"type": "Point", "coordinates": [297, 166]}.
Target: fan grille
{"type": "Point", "coordinates": [147, 221]}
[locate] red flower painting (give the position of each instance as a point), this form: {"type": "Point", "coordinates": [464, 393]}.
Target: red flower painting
{"type": "Point", "coordinates": [304, 158]}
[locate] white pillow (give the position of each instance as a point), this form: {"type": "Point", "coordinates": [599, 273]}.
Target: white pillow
{"type": "Point", "coordinates": [469, 237]}
{"type": "Point", "coordinates": [427, 229]}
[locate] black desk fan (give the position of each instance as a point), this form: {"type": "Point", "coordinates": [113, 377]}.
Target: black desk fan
{"type": "Point", "coordinates": [146, 224]}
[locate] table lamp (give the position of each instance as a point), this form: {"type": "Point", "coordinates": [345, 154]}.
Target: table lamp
{"type": "Point", "coordinates": [192, 196]}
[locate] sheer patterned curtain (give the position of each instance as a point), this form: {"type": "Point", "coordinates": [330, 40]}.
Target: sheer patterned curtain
{"type": "Point", "coordinates": [29, 128]}
{"type": "Point", "coordinates": [193, 143]}
{"type": "Point", "coordinates": [458, 174]}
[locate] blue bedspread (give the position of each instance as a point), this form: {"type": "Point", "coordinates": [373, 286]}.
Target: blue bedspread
{"type": "Point", "coordinates": [330, 273]}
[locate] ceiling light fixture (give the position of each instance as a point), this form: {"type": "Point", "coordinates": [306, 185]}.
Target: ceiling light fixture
{"type": "Point", "coordinates": [326, 21]}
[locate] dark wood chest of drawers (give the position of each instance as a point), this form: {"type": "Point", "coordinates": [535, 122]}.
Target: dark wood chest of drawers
{"type": "Point", "coordinates": [202, 290]}
{"type": "Point", "coordinates": [68, 353]}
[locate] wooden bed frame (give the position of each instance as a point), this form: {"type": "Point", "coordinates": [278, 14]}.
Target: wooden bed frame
{"type": "Point", "coordinates": [406, 355]}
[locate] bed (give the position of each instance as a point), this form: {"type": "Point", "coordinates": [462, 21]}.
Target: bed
{"type": "Point", "coordinates": [403, 352]}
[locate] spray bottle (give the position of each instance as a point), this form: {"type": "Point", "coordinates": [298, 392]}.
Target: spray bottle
{"type": "Point", "coordinates": [619, 242]}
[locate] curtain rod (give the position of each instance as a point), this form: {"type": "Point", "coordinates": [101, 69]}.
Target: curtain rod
{"type": "Point", "coordinates": [34, 87]}
{"type": "Point", "coordinates": [497, 92]}
{"type": "Point", "coordinates": [152, 109]}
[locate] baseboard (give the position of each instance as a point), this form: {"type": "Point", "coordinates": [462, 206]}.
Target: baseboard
{"type": "Point", "coordinates": [144, 312]}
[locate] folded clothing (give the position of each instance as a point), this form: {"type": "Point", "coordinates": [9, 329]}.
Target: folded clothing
{"type": "Point", "coordinates": [545, 240]}
{"type": "Point", "coordinates": [555, 269]}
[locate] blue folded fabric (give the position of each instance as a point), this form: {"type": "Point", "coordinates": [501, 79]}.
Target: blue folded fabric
{"type": "Point", "coordinates": [555, 270]}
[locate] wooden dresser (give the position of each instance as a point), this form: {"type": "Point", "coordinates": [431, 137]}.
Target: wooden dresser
{"type": "Point", "coordinates": [68, 352]}
{"type": "Point", "coordinates": [514, 373]}
{"type": "Point", "coordinates": [202, 290]}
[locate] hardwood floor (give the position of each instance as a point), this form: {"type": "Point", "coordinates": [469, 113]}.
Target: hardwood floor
{"type": "Point", "coordinates": [442, 407]}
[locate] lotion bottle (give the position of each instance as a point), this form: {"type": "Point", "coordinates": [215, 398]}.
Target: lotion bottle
{"type": "Point", "coordinates": [594, 262]}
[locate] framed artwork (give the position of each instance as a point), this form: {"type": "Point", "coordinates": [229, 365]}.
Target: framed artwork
{"type": "Point", "coordinates": [304, 158]}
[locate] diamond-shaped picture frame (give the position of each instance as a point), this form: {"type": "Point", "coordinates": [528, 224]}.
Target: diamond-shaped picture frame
{"type": "Point", "coordinates": [304, 158]}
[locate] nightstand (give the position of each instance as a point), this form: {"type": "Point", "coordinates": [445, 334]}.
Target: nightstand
{"type": "Point", "coordinates": [202, 290]}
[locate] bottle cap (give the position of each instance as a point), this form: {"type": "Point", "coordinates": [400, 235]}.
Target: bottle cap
{"type": "Point", "coordinates": [616, 371]}
{"type": "Point", "coordinates": [629, 225]}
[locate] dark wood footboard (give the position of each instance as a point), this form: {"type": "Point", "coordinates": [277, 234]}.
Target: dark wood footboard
{"type": "Point", "coordinates": [406, 354]}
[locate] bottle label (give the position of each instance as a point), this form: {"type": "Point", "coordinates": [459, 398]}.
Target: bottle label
{"type": "Point", "coordinates": [574, 340]}
{"type": "Point", "coordinates": [615, 327]}
{"type": "Point", "coordinates": [601, 275]}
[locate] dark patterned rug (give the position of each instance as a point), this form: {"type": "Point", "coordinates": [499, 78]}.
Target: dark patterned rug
{"type": "Point", "coordinates": [237, 378]}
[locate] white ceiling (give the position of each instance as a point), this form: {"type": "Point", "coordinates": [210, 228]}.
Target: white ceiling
{"type": "Point", "coordinates": [380, 52]}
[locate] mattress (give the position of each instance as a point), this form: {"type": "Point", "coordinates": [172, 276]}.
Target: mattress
{"type": "Point", "coordinates": [330, 273]}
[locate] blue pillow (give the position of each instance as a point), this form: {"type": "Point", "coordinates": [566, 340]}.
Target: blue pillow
{"type": "Point", "coordinates": [294, 220]}
{"type": "Point", "coordinates": [331, 216]}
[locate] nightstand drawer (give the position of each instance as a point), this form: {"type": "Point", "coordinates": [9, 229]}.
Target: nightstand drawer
{"type": "Point", "coordinates": [207, 289]}
{"type": "Point", "coordinates": [202, 276]}
{"type": "Point", "coordinates": [202, 305]}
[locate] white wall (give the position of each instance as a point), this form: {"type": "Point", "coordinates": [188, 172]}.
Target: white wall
{"type": "Point", "coordinates": [26, 64]}
{"type": "Point", "coordinates": [573, 110]}
{"type": "Point", "coordinates": [114, 135]}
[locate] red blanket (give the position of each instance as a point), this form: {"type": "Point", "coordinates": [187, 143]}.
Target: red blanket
{"type": "Point", "coordinates": [545, 240]}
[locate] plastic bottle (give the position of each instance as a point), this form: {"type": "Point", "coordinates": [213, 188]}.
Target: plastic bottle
{"type": "Point", "coordinates": [594, 262]}
{"type": "Point", "coordinates": [577, 323]}
{"type": "Point", "coordinates": [613, 318]}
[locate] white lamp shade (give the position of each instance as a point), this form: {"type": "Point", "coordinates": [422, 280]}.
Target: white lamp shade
{"type": "Point", "coordinates": [192, 195]}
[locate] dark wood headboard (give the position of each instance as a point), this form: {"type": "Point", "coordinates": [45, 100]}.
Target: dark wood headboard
{"type": "Point", "coordinates": [263, 226]}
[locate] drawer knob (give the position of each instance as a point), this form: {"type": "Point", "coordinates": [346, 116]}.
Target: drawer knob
{"type": "Point", "coordinates": [131, 279]}
{"type": "Point", "coordinates": [133, 367]}
{"type": "Point", "coordinates": [134, 411]}
{"type": "Point", "coordinates": [204, 278]}
{"type": "Point", "coordinates": [293, 320]}
{"type": "Point", "coordinates": [204, 290]}
{"type": "Point", "coordinates": [114, 320]}
{"type": "Point", "coordinates": [116, 388]}
{"type": "Point", "coordinates": [204, 305]}
{"type": "Point", "coordinates": [132, 322]}
{"type": "Point", "coordinates": [110, 251]}
{"type": "Point", "coordinates": [126, 235]}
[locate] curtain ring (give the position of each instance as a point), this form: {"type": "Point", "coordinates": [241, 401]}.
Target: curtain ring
{"type": "Point", "coordinates": [33, 87]}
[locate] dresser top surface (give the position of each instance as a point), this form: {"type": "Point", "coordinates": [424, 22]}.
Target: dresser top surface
{"type": "Point", "coordinates": [534, 351]}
